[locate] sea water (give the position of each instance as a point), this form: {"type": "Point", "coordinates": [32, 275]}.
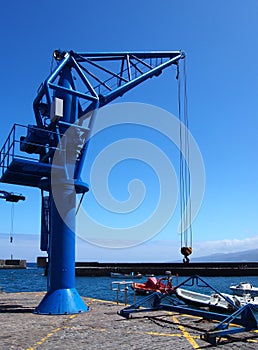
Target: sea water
{"type": "Point", "coordinates": [32, 279]}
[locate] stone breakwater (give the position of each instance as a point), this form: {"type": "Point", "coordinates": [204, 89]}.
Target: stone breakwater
{"type": "Point", "coordinates": [218, 269]}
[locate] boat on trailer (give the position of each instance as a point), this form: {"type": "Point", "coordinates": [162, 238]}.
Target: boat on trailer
{"type": "Point", "coordinates": [162, 285]}
{"type": "Point", "coordinates": [244, 288]}
{"type": "Point", "coordinates": [215, 301]}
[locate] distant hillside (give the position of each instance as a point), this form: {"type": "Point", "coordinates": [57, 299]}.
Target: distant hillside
{"type": "Point", "coordinates": [247, 255]}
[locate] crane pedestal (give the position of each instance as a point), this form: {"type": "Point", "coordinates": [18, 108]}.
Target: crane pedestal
{"type": "Point", "coordinates": [61, 302]}
{"type": "Point", "coordinates": [62, 297]}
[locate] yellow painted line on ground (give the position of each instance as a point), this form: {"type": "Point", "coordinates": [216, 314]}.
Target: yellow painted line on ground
{"type": "Point", "coordinates": [50, 334]}
{"type": "Point", "coordinates": [44, 339]}
{"type": "Point", "coordinates": [187, 335]}
{"type": "Point", "coordinates": [158, 334]}
{"type": "Point", "coordinates": [184, 334]}
{"type": "Point", "coordinates": [105, 301]}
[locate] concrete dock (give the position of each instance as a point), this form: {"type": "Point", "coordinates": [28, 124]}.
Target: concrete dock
{"type": "Point", "coordinates": [103, 328]}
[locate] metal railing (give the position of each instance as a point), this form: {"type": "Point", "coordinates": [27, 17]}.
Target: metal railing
{"type": "Point", "coordinates": [12, 146]}
{"type": "Point", "coordinates": [121, 287]}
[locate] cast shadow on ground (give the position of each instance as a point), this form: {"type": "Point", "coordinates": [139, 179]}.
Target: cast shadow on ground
{"type": "Point", "coordinates": [15, 308]}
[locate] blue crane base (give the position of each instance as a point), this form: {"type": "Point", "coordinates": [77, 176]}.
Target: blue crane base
{"type": "Point", "coordinates": [61, 302]}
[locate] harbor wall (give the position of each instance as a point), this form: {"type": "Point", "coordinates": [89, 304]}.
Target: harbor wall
{"type": "Point", "coordinates": [201, 269]}
{"type": "Point", "coordinates": [12, 264]}
{"type": "Point", "coordinates": [205, 269]}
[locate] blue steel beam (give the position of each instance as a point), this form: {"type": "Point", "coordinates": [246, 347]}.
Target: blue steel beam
{"type": "Point", "coordinates": [76, 62]}
{"type": "Point", "coordinates": [90, 94]}
{"type": "Point", "coordinates": [134, 82]}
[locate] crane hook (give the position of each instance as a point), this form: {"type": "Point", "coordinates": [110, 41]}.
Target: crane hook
{"type": "Point", "coordinates": [186, 251]}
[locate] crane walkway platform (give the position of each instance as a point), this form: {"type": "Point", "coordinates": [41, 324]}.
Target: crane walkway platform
{"type": "Point", "coordinates": [103, 328]}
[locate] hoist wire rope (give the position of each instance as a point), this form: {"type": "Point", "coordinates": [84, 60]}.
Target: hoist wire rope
{"type": "Point", "coordinates": [187, 169]}
{"type": "Point", "coordinates": [184, 176]}
{"type": "Point", "coordinates": [181, 182]}
{"type": "Point", "coordinates": [182, 167]}
{"type": "Point", "coordinates": [12, 221]}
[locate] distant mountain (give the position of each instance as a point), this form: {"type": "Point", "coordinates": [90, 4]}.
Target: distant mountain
{"type": "Point", "coordinates": [245, 256]}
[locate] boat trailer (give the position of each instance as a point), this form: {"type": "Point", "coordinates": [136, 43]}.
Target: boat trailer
{"type": "Point", "coordinates": [241, 320]}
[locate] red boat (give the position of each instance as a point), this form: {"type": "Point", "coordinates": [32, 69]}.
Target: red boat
{"type": "Point", "coordinates": [161, 285]}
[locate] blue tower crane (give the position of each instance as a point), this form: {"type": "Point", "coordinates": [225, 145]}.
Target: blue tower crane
{"type": "Point", "coordinates": [11, 197]}
{"type": "Point", "coordinates": [79, 85]}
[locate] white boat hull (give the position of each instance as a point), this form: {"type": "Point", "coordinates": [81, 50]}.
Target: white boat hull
{"type": "Point", "coordinates": [213, 302]}
{"type": "Point", "coordinates": [244, 288]}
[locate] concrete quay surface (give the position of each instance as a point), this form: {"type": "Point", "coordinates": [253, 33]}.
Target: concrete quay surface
{"type": "Point", "coordinates": [103, 328]}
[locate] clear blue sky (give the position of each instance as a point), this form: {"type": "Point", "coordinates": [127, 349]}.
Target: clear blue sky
{"type": "Point", "coordinates": [220, 40]}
